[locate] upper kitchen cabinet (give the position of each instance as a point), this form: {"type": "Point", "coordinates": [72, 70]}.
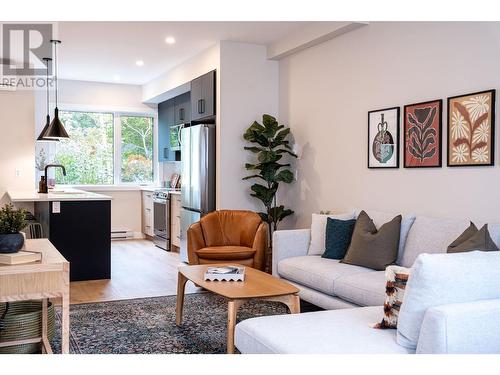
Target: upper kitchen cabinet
{"type": "Point", "coordinates": [166, 118]}
{"type": "Point", "coordinates": [182, 105]}
{"type": "Point", "coordinates": [203, 96]}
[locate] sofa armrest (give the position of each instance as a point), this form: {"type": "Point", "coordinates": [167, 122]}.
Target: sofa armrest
{"type": "Point", "coordinates": [289, 244]}
{"type": "Point", "coordinates": [461, 328]}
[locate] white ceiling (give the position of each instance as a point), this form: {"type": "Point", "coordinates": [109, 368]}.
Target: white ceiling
{"type": "Point", "coordinates": [100, 51]}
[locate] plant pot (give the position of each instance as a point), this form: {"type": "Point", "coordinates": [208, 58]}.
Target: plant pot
{"type": "Point", "coordinates": [11, 243]}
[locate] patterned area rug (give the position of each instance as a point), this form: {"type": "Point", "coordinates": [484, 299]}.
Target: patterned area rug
{"type": "Point", "coordinates": [147, 325]}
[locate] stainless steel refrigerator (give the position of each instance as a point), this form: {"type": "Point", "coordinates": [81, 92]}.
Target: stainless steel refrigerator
{"type": "Point", "coordinates": [198, 177]}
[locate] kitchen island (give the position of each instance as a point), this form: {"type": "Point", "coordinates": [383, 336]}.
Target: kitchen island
{"type": "Point", "coordinates": [78, 223]}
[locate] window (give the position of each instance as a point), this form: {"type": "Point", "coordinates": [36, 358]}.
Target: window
{"type": "Point", "coordinates": [105, 149]}
{"type": "Point", "coordinates": [136, 149]}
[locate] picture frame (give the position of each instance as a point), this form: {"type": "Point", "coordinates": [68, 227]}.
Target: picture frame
{"type": "Point", "coordinates": [423, 135]}
{"type": "Point", "coordinates": [383, 138]}
{"type": "Point", "coordinates": [471, 129]}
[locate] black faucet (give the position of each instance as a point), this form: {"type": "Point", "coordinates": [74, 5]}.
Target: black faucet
{"type": "Point", "coordinates": [42, 187]}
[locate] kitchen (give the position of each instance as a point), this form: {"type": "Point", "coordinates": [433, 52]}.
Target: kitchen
{"type": "Point", "coordinates": [163, 105]}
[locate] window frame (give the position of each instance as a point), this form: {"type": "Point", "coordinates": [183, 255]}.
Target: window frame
{"type": "Point", "coordinates": [117, 142]}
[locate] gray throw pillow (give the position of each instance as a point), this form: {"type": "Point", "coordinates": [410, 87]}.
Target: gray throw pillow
{"type": "Point", "coordinates": [473, 239]}
{"type": "Point", "coordinates": [373, 248]}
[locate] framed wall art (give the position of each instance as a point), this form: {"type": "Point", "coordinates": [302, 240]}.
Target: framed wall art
{"type": "Point", "coordinates": [422, 134]}
{"type": "Point", "coordinates": [383, 138]}
{"type": "Point", "coordinates": [471, 129]}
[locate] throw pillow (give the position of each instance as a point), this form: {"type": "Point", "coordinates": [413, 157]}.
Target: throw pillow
{"type": "Point", "coordinates": [373, 248]}
{"type": "Point", "coordinates": [397, 278]}
{"type": "Point", "coordinates": [473, 239]}
{"type": "Point", "coordinates": [318, 231]}
{"type": "Point", "coordinates": [338, 237]}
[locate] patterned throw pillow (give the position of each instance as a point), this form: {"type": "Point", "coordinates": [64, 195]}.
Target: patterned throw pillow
{"type": "Point", "coordinates": [395, 288]}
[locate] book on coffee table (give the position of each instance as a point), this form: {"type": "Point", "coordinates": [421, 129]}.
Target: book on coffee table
{"type": "Point", "coordinates": [20, 257]}
{"type": "Point", "coordinates": [226, 273]}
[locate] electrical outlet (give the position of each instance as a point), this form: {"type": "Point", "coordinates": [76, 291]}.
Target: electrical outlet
{"type": "Point", "coordinates": [17, 172]}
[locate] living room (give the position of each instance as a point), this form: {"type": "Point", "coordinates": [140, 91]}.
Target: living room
{"type": "Point", "coordinates": [345, 174]}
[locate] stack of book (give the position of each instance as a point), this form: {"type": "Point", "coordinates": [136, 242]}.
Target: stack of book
{"type": "Point", "coordinates": [20, 257]}
{"type": "Point", "coordinates": [227, 273]}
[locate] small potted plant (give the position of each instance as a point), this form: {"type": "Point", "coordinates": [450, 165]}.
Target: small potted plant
{"type": "Point", "coordinates": [11, 223]}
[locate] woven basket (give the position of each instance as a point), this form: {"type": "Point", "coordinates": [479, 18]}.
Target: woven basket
{"type": "Point", "coordinates": [24, 321]}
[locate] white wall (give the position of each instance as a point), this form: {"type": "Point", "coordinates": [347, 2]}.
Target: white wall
{"type": "Point", "coordinates": [184, 73]}
{"type": "Point", "coordinates": [327, 90]}
{"type": "Point", "coordinates": [17, 142]}
{"type": "Point", "coordinates": [248, 88]}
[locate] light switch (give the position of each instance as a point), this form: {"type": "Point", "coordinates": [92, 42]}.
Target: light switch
{"type": "Point", "coordinates": [56, 207]}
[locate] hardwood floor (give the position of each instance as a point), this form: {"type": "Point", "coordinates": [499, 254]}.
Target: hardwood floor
{"type": "Point", "coordinates": [138, 269]}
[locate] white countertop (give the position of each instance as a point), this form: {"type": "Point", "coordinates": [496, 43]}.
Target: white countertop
{"type": "Point", "coordinates": [56, 195]}
{"type": "Point", "coordinates": [176, 192]}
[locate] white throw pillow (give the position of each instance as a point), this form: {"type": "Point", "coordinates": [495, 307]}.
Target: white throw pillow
{"type": "Point", "coordinates": [442, 279]}
{"type": "Point", "coordinates": [318, 231]}
{"type": "Point", "coordinates": [380, 218]}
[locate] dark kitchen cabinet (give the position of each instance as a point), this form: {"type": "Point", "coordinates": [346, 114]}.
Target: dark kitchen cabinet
{"type": "Point", "coordinates": [166, 118]}
{"type": "Point", "coordinates": [182, 109]}
{"type": "Point", "coordinates": [81, 231]}
{"type": "Point", "coordinates": [203, 96]}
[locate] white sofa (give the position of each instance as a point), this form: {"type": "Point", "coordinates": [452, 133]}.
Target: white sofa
{"type": "Point", "coordinates": [355, 296]}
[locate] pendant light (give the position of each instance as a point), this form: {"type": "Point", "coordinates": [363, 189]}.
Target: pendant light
{"type": "Point", "coordinates": [56, 128]}
{"type": "Point", "coordinates": [40, 137]}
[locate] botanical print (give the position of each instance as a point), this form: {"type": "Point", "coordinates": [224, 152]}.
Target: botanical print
{"type": "Point", "coordinates": [471, 125]}
{"type": "Point", "coordinates": [383, 138]}
{"type": "Point", "coordinates": [422, 126]}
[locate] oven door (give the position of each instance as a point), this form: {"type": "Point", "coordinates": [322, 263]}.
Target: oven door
{"type": "Point", "coordinates": [160, 211]}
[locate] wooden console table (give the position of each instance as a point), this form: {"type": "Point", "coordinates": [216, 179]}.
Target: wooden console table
{"type": "Point", "coordinates": [39, 280]}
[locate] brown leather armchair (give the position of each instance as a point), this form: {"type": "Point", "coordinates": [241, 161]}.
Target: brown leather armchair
{"type": "Point", "coordinates": [228, 236]}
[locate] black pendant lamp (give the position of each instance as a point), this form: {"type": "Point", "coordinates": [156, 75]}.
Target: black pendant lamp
{"type": "Point", "coordinates": [56, 128]}
{"type": "Point", "coordinates": [47, 123]}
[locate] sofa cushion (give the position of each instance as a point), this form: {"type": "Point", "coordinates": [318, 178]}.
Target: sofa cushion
{"type": "Point", "coordinates": [364, 289]}
{"type": "Point", "coordinates": [318, 231]}
{"type": "Point", "coordinates": [345, 331]}
{"type": "Point", "coordinates": [380, 217]}
{"type": "Point", "coordinates": [442, 279]}
{"type": "Point", "coordinates": [316, 272]}
{"type": "Point", "coordinates": [431, 235]}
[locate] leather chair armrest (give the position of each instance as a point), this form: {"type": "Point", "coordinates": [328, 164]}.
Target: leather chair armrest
{"type": "Point", "coordinates": [195, 241]}
{"type": "Point", "coordinates": [260, 244]}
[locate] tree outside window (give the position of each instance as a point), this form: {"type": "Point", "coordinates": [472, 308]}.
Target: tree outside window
{"type": "Point", "coordinates": [89, 153]}
{"type": "Point", "coordinates": [136, 149]}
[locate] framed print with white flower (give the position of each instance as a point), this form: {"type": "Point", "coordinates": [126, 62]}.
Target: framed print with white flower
{"type": "Point", "coordinates": [471, 129]}
{"type": "Point", "coordinates": [383, 138]}
{"type": "Point", "coordinates": [422, 134]}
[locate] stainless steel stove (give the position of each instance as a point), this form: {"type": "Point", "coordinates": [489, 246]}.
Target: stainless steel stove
{"type": "Point", "coordinates": [161, 213]}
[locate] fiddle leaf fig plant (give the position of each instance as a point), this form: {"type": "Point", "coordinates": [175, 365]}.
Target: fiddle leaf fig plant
{"type": "Point", "coordinates": [271, 146]}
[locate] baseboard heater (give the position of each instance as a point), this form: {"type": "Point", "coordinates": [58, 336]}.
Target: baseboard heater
{"type": "Point", "coordinates": [122, 234]}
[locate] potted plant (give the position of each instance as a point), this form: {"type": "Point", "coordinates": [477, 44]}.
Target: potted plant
{"type": "Point", "coordinates": [271, 146]}
{"type": "Point", "coordinates": [11, 223]}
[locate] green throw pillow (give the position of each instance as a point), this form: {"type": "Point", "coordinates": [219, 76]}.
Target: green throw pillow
{"type": "Point", "coordinates": [338, 237]}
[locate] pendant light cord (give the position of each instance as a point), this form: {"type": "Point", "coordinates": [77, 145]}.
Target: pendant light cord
{"type": "Point", "coordinates": [48, 91]}
{"type": "Point", "coordinates": [56, 67]}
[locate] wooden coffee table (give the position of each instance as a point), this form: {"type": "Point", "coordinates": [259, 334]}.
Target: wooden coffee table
{"type": "Point", "coordinates": [257, 285]}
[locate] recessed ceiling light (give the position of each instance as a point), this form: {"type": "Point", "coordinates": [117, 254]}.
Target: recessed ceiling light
{"type": "Point", "coordinates": [170, 40]}
{"type": "Point", "coordinates": [139, 63]}
{"type": "Point", "coordinates": [116, 77]}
